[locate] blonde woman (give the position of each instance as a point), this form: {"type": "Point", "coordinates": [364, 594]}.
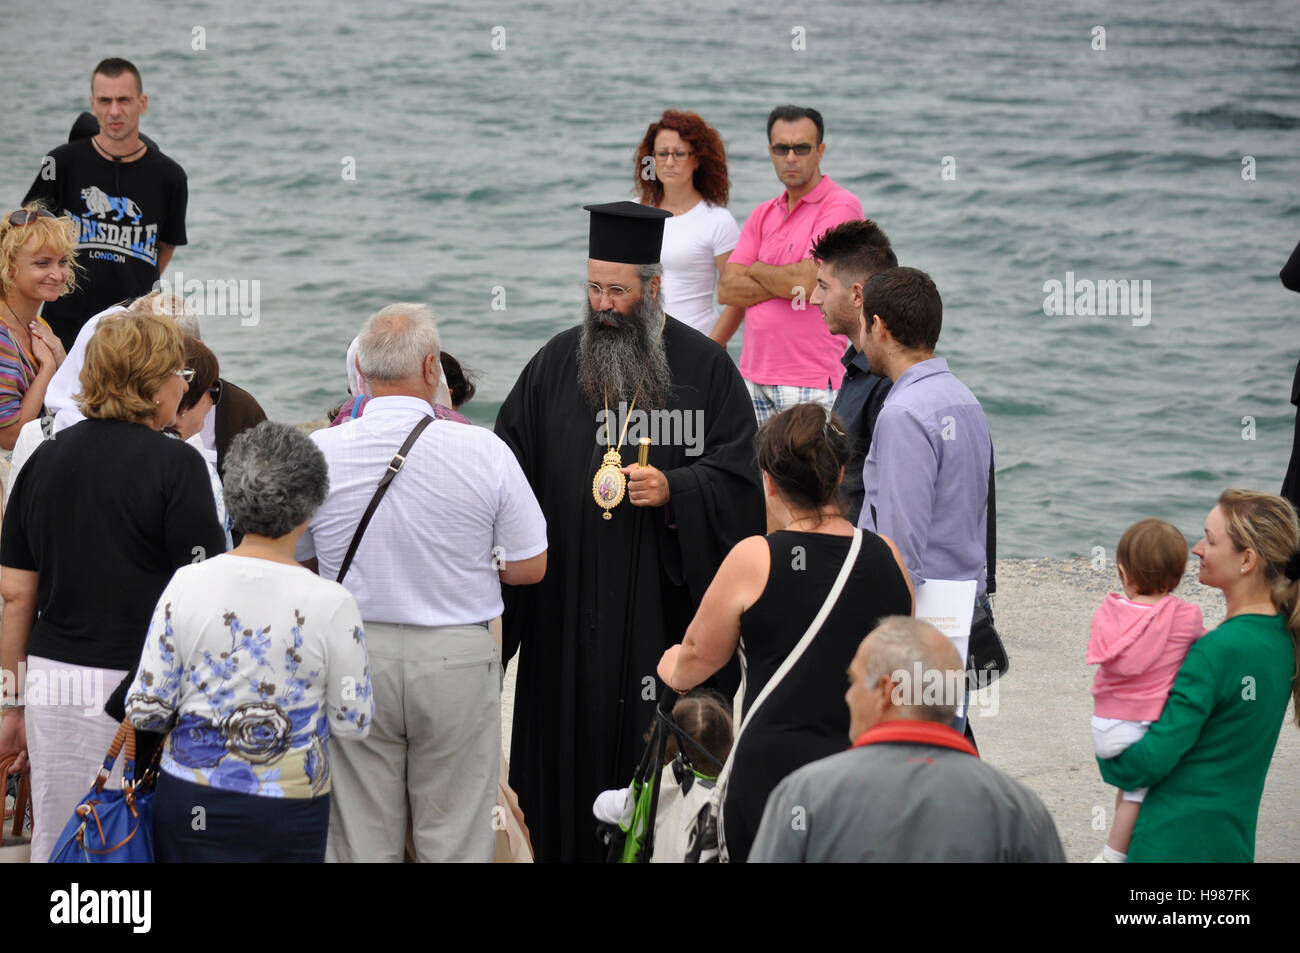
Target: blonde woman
{"type": "Point", "coordinates": [37, 264]}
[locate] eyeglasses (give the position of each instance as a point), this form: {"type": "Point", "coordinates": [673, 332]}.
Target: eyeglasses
{"type": "Point", "coordinates": [681, 155]}
{"type": "Point", "coordinates": [215, 392]}
{"type": "Point", "coordinates": [781, 149]}
{"type": "Point", "coordinates": [185, 373]}
{"type": "Point", "coordinates": [614, 291]}
{"type": "Point", "coordinates": [25, 216]}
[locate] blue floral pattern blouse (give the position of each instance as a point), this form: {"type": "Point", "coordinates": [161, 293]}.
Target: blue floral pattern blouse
{"type": "Point", "coordinates": [259, 663]}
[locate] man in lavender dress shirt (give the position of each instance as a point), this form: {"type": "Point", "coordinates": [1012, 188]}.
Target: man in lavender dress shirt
{"type": "Point", "coordinates": [927, 473]}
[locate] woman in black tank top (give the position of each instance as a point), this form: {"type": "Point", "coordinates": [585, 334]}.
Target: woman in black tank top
{"type": "Point", "coordinates": [764, 597]}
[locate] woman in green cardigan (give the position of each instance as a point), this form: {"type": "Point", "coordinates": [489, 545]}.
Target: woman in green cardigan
{"type": "Point", "coordinates": [1206, 758]}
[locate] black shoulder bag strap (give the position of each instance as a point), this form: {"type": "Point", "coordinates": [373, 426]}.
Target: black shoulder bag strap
{"type": "Point", "coordinates": [393, 466]}
{"type": "Point", "coordinates": [991, 542]}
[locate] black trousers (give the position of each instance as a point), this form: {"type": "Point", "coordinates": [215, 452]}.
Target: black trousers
{"type": "Point", "coordinates": [194, 823]}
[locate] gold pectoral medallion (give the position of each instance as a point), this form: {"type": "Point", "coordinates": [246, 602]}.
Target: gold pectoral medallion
{"type": "Point", "coordinates": [609, 483]}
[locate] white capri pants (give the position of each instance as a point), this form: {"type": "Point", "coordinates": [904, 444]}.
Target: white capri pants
{"type": "Point", "coordinates": [68, 735]}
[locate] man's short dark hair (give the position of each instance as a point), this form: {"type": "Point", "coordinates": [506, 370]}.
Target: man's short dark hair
{"type": "Point", "coordinates": [856, 250]}
{"type": "Point", "coordinates": [908, 302]}
{"type": "Point", "coordinates": [113, 67]}
{"type": "Point", "coordinates": [794, 114]}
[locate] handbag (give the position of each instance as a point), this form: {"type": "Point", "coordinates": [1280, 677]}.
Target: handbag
{"type": "Point", "coordinates": [987, 658]}
{"type": "Point", "coordinates": [709, 842]}
{"type": "Point", "coordinates": [112, 827]}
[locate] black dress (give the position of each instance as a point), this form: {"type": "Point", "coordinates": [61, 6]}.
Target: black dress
{"type": "Point", "coordinates": [806, 717]}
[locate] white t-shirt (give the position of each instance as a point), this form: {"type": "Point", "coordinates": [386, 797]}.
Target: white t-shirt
{"type": "Point", "coordinates": [459, 507]}
{"type": "Point", "coordinates": [691, 242]}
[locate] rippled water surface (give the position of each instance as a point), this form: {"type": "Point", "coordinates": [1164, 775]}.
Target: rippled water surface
{"type": "Point", "coordinates": [472, 164]}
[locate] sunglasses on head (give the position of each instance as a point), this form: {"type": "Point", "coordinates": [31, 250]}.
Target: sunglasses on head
{"type": "Point", "coordinates": [25, 216]}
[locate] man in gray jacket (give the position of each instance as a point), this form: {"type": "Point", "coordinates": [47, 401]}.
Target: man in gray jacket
{"type": "Point", "coordinates": [911, 788]}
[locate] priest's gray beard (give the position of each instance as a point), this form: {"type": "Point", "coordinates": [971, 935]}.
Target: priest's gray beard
{"type": "Point", "coordinates": [625, 358]}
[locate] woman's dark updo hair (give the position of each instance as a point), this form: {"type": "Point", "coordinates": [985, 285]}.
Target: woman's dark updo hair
{"type": "Point", "coordinates": [803, 450]}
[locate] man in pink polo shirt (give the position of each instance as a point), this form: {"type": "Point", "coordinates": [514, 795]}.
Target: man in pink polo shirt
{"type": "Point", "coordinates": [789, 356]}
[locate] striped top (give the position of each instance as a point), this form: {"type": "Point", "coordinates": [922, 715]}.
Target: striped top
{"type": "Point", "coordinates": [17, 371]}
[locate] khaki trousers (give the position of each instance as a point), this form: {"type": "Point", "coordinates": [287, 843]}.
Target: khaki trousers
{"type": "Point", "coordinates": [432, 754]}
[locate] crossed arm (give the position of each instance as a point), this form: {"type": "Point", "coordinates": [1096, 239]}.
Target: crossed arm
{"type": "Point", "coordinates": [748, 285]}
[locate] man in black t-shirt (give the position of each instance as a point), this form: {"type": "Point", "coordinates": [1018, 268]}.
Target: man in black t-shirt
{"type": "Point", "coordinates": [127, 198]}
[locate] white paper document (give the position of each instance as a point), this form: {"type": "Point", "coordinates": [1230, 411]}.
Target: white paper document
{"type": "Point", "coordinates": [948, 605]}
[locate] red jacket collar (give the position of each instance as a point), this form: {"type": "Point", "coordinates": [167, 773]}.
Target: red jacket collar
{"type": "Point", "coordinates": [916, 732]}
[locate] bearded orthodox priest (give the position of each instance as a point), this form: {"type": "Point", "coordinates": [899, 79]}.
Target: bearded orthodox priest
{"type": "Point", "coordinates": [631, 548]}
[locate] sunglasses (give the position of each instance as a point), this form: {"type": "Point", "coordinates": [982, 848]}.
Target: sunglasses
{"type": "Point", "coordinates": [25, 216]}
{"type": "Point", "coordinates": [215, 392]}
{"type": "Point", "coordinates": [781, 149]}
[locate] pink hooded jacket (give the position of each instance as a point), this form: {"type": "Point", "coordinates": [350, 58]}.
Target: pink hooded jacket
{"type": "Point", "coordinates": [1140, 649]}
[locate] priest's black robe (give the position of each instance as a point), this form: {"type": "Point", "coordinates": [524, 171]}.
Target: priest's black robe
{"type": "Point", "coordinates": [640, 574]}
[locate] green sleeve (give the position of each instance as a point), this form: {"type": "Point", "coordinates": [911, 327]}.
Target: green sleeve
{"type": "Point", "coordinates": [1150, 760]}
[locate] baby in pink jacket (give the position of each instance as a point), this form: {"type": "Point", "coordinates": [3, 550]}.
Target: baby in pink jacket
{"type": "Point", "coordinates": [1139, 640]}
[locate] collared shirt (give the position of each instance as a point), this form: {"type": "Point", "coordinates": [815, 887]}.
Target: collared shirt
{"type": "Point", "coordinates": [912, 731]}
{"type": "Point", "coordinates": [785, 343]}
{"type": "Point", "coordinates": [857, 404]}
{"type": "Point", "coordinates": [927, 475]}
{"type": "Point", "coordinates": [457, 509]}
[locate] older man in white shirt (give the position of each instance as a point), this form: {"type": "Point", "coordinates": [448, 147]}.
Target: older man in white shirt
{"type": "Point", "coordinates": [457, 520]}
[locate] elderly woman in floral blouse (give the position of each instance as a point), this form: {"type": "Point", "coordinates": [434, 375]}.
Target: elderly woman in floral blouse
{"type": "Point", "coordinates": [257, 662]}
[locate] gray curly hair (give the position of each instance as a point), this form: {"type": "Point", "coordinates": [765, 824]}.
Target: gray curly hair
{"type": "Point", "coordinates": [275, 479]}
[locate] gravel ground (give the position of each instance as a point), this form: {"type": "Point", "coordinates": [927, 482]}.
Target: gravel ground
{"type": "Point", "coordinates": [1035, 725]}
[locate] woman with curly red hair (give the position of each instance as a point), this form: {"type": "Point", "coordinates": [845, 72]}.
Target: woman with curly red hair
{"type": "Point", "coordinates": [681, 167]}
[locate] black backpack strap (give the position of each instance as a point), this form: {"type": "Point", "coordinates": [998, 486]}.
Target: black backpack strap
{"type": "Point", "coordinates": [991, 542]}
{"type": "Point", "coordinates": [394, 466]}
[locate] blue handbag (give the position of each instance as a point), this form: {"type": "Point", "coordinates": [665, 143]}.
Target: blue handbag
{"type": "Point", "coordinates": [112, 827]}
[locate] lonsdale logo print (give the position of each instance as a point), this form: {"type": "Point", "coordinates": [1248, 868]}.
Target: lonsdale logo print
{"type": "Point", "coordinates": [102, 238]}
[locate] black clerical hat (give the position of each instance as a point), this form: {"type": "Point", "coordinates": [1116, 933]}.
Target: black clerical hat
{"type": "Point", "coordinates": [626, 232]}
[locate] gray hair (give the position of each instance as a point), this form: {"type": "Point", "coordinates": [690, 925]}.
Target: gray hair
{"type": "Point", "coordinates": [395, 340]}
{"type": "Point", "coordinates": [172, 306]}
{"type": "Point", "coordinates": [647, 272]}
{"type": "Point", "coordinates": [907, 647]}
{"type": "Point", "coordinates": [275, 479]}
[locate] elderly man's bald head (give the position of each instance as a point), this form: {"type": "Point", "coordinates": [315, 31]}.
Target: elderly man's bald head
{"type": "Point", "coordinates": [907, 669]}
{"type": "Point", "coordinates": [395, 342]}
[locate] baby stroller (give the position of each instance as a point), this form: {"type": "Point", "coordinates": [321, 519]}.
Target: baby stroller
{"type": "Point", "coordinates": [632, 840]}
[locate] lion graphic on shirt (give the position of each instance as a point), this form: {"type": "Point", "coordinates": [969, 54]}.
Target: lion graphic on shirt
{"type": "Point", "coordinates": [100, 203]}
